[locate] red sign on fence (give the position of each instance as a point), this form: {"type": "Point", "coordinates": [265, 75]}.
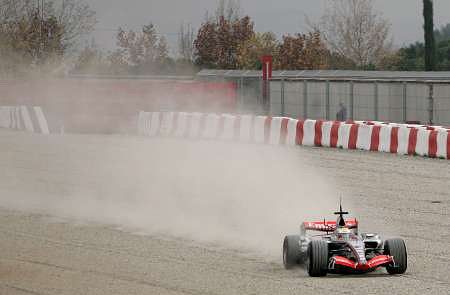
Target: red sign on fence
{"type": "Point", "coordinates": [267, 62]}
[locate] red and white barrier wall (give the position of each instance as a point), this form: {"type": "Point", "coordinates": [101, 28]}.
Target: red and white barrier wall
{"type": "Point", "coordinates": [31, 119]}
{"type": "Point", "coordinates": [403, 139]}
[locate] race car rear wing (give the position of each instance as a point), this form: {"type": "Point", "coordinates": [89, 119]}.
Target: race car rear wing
{"type": "Point", "coordinates": [327, 226]}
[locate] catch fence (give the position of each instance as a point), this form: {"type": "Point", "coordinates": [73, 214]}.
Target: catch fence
{"type": "Point", "coordinates": [420, 97]}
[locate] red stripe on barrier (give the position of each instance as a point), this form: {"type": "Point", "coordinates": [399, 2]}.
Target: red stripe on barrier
{"type": "Point", "coordinates": [353, 137]}
{"type": "Point", "coordinates": [394, 140]}
{"type": "Point", "coordinates": [299, 133]}
{"type": "Point", "coordinates": [318, 133]}
{"type": "Point", "coordinates": [432, 144]}
{"type": "Point", "coordinates": [237, 127]}
{"type": "Point", "coordinates": [220, 126]}
{"type": "Point", "coordinates": [284, 131]}
{"type": "Point", "coordinates": [375, 139]}
{"type": "Point", "coordinates": [334, 134]}
{"type": "Point", "coordinates": [412, 141]}
{"type": "Point", "coordinates": [267, 124]}
{"type": "Point", "coordinates": [175, 124]}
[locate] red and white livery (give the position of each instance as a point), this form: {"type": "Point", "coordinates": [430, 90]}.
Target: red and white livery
{"type": "Point", "coordinates": [341, 249]}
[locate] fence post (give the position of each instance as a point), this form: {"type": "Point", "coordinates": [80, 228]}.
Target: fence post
{"type": "Point", "coordinates": [405, 88]}
{"type": "Point", "coordinates": [241, 93]}
{"type": "Point", "coordinates": [263, 99]}
{"type": "Point", "coordinates": [283, 85]}
{"type": "Point", "coordinates": [375, 102]}
{"type": "Point", "coordinates": [352, 101]}
{"type": "Point", "coordinates": [431, 104]}
{"type": "Point", "coordinates": [268, 97]}
{"type": "Point", "coordinates": [305, 99]}
{"type": "Point", "coordinates": [240, 96]}
{"type": "Point", "coordinates": [327, 100]}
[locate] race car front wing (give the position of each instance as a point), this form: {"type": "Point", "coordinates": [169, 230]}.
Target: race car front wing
{"type": "Point", "coordinates": [372, 264]}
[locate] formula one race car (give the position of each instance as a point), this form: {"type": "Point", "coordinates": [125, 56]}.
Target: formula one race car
{"type": "Point", "coordinates": [340, 249]}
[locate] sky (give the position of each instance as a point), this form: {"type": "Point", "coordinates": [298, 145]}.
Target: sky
{"type": "Point", "coordinates": [280, 17]}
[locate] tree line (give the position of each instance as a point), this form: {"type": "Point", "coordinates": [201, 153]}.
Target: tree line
{"type": "Point", "coordinates": [45, 36]}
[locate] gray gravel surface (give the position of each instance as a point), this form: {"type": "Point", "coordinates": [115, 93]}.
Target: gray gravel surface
{"type": "Point", "coordinates": [53, 252]}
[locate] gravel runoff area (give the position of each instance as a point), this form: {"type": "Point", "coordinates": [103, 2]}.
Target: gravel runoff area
{"type": "Point", "coordinates": [52, 252]}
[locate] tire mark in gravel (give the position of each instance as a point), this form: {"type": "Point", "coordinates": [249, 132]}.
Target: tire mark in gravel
{"type": "Point", "coordinates": [23, 290]}
{"type": "Point", "coordinates": [84, 245]}
{"type": "Point", "coordinates": [166, 286]}
{"type": "Point", "coordinates": [269, 277]}
{"type": "Point", "coordinates": [260, 275]}
{"type": "Point", "coordinates": [116, 277]}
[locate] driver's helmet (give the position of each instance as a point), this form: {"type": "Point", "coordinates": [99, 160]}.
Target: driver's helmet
{"type": "Point", "coordinates": [343, 233]}
{"type": "Point", "coordinates": [342, 230]}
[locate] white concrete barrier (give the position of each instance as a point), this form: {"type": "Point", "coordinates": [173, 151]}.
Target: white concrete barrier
{"type": "Point", "coordinates": [326, 133]}
{"type": "Point", "coordinates": [422, 142]}
{"type": "Point", "coordinates": [292, 132]}
{"type": "Point", "coordinates": [364, 139]}
{"type": "Point", "coordinates": [401, 139]}
{"type": "Point", "coordinates": [309, 131]}
{"type": "Point", "coordinates": [344, 136]}
{"type": "Point", "coordinates": [31, 119]}
{"type": "Point", "coordinates": [246, 128]}
{"type": "Point", "coordinates": [43, 125]}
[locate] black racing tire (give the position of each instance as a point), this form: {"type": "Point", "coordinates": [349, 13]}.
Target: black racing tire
{"type": "Point", "coordinates": [291, 251]}
{"type": "Point", "coordinates": [317, 263]}
{"type": "Point", "coordinates": [397, 249]}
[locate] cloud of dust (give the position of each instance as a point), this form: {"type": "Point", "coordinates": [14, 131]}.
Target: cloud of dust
{"type": "Point", "coordinates": [242, 196]}
{"type": "Point", "coordinates": [237, 195]}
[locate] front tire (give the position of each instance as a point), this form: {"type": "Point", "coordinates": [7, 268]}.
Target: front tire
{"type": "Point", "coordinates": [291, 251]}
{"type": "Point", "coordinates": [397, 249]}
{"type": "Point", "coordinates": [317, 264]}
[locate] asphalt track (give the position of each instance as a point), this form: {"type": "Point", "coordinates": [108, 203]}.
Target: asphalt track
{"type": "Point", "coordinates": [42, 253]}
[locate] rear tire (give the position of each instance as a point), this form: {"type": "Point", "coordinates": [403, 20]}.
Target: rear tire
{"type": "Point", "coordinates": [317, 264]}
{"type": "Point", "coordinates": [397, 249]}
{"type": "Point", "coordinates": [291, 251]}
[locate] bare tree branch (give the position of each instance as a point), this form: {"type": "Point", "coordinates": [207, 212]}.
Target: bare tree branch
{"type": "Point", "coordinates": [355, 31]}
{"type": "Point", "coordinates": [186, 42]}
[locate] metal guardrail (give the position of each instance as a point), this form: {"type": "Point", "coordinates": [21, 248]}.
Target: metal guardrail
{"type": "Point", "coordinates": [333, 75]}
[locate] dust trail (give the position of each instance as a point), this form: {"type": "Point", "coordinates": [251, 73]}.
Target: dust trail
{"type": "Point", "coordinates": [238, 195]}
